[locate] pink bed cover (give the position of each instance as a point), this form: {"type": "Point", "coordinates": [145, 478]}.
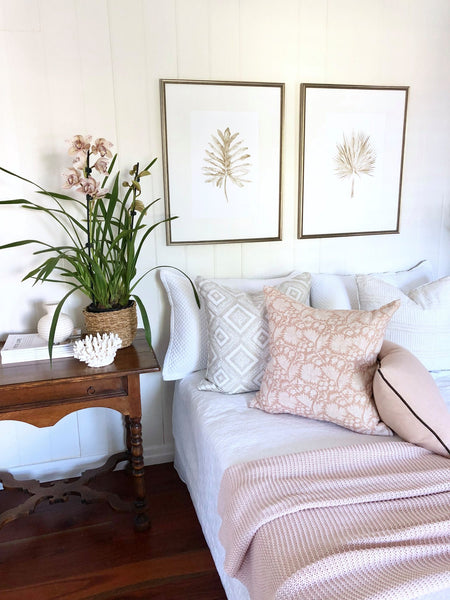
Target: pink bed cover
{"type": "Point", "coordinates": [365, 522]}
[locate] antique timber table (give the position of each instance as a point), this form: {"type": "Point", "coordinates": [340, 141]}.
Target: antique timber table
{"type": "Point", "coordinates": [41, 393]}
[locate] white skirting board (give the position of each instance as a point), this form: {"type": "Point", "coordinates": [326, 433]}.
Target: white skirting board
{"type": "Point", "coordinates": [73, 467]}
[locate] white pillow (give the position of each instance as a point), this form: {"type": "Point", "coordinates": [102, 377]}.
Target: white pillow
{"type": "Point", "coordinates": [187, 349]}
{"type": "Point", "coordinates": [238, 333]}
{"type": "Point", "coordinates": [188, 343]}
{"type": "Point", "coordinates": [421, 324]}
{"type": "Point", "coordinates": [331, 292]}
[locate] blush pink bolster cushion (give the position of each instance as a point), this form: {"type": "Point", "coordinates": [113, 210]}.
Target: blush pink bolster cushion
{"type": "Point", "coordinates": [322, 362]}
{"type": "Point", "coordinates": [409, 401]}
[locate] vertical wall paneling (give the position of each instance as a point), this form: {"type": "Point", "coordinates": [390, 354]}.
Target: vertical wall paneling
{"type": "Point", "coordinates": [12, 271]}
{"type": "Point", "coordinates": [95, 62]}
{"type": "Point", "coordinates": [28, 106]}
{"type": "Point", "coordinates": [161, 49]}
{"type": "Point", "coordinates": [64, 440]}
{"type": "Point", "coordinates": [131, 72]}
{"type": "Point", "coordinates": [29, 94]}
{"type": "Point", "coordinates": [194, 62]}
{"type": "Point", "coordinates": [227, 260]}
{"type": "Point", "coordinates": [101, 431]}
{"type": "Point", "coordinates": [269, 53]}
{"type": "Point", "coordinates": [93, 66]}
{"type": "Point", "coordinates": [224, 65]}
{"type": "Point", "coordinates": [192, 27]}
{"type": "Point", "coordinates": [34, 446]}
{"type": "Point", "coordinates": [345, 46]}
{"type": "Point", "coordinates": [312, 41]}
{"type": "Point", "coordinates": [19, 15]}
{"type": "Point", "coordinates": [267, 42]}
{"type": "Point", "coordinates": [224, 40]}
{"type": "Point", "coordinates": [9, 444]}
{"type": "Point", "coordinates": [161, 44]}
{"type": "Point", "coordinates": [311, 67]}
{"type": "Point", "coordinates": [63, 70]}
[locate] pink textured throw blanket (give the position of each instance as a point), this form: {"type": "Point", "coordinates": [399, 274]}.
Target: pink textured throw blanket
{"type": "Point", "coordinates": [365, 522]}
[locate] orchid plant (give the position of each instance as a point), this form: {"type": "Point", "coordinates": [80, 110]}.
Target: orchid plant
{"type": "Point", "coordinates": [105, 232]}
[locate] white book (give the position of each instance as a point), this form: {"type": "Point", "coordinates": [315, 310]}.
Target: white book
{"type": "Point", "coordinates": [23, 347]}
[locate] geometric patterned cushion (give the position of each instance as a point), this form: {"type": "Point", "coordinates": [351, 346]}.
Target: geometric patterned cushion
{"type": "Point", "coordinates": [187, 350]}
{"type": "Point", "coordinates": [322, 363]}
{"type": "Point", "coordinates": [238, 335]}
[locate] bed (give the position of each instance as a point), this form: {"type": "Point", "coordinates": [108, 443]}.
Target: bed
{"type": "Point", "coordinates": [219, 437]}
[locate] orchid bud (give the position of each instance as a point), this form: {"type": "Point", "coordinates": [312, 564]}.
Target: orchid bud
{"type": "Point", "coordinates": [138, 206]}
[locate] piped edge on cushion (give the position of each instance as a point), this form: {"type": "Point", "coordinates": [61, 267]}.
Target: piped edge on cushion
{"type": "Point", "coordinates": [404, 391]}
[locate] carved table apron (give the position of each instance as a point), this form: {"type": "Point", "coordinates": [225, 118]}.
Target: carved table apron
{"type": "Point", "coordinates": [41, 394]}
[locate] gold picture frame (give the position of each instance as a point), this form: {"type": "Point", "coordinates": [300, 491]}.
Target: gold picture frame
{"type": "Point", "coordinates": [222, 149]}
{"type": "Point", "coordinates": [352, 140]}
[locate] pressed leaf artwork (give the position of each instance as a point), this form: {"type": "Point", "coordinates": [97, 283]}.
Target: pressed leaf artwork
{"type": "Point", "coordinates": [355, 157]}
{"type": "Point", "coordinates": [226, 160]}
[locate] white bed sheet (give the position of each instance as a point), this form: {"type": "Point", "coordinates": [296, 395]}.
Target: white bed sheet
{"type": "Point", "coordinates": [213, 431]}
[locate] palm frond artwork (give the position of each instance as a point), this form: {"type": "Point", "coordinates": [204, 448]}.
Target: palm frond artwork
{"type": "Point", "coordinates": [355, 157]}
{"type": "Point", "coordinates": [226, 160]}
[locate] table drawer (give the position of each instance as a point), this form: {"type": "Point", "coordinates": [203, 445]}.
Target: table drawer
{"type": "Point", "coordinates": [62, 391]}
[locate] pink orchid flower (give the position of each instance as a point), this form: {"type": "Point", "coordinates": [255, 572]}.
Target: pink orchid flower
{"type": "Point", "coordinates": [101, 165]}
{"type": "Point", "coordinates": [102, 147]}
{"type": "Point", "coordinates": [79, 143]}
{"type": "Point", "coordinates": [71, 178]}
{"type": "Point", "coordinates": [80, 159]}
{"type": "Point", "coordinates": [89, 185]}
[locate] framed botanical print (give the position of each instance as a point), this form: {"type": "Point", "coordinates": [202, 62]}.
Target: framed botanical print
{"type": "Point", "coordinates": [222, 146]}
{"type": "Point", "coordinates": [351, 159]}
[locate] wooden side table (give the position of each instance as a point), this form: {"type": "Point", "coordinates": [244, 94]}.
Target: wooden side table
{"type": "Point", "coordinates": [41, 393]}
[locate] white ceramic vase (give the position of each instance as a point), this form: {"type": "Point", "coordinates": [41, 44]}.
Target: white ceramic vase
{"type": "Point", "coordinates": [64, 327]}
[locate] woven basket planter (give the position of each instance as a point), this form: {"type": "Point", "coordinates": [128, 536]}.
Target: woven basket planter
{"type": "Point", "coordinates": [122, 321]}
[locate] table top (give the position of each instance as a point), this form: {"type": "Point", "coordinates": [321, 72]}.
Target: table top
{"type": "Point", "coordinates": [135, 359]}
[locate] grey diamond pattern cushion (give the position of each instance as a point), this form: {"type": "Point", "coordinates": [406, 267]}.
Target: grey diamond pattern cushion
{"type": "Point", "coordinates": [238, 333]}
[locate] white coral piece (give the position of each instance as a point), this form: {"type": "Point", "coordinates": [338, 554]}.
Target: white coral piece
{"type": "Point", "coordinates": [97, 350]}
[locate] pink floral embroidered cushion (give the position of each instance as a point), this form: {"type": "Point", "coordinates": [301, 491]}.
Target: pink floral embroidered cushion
{"type": "Point", "coordinates": [322, 363]}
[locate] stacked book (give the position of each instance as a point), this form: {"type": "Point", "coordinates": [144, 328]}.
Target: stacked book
{"type": "Point", "coordinates": [23, 347]}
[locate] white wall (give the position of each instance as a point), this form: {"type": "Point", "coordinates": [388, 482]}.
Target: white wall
{"type": "Point", "coordinates": [93, 66]}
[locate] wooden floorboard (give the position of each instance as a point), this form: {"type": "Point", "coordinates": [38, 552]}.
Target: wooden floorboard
{"type": "Point", "coordinates": [76, 551]}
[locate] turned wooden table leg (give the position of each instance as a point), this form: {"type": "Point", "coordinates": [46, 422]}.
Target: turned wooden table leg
{"type": "Point", "coordinates": [129, 467]}
{"type": "Point", "coordinates": [134, 444]}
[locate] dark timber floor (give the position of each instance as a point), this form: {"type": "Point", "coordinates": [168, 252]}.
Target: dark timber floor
{"type": "Point", "coordinates": [75, 551]}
